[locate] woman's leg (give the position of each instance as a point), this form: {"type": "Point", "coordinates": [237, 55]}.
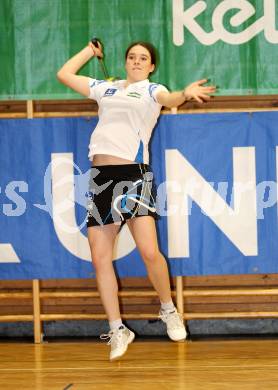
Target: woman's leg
{"type": "Point", "coordinates": [144, 233]}
{"type": "Point", "coordinates": [143, 230]}
{"type": "Point", "coordinates": [101, 241]}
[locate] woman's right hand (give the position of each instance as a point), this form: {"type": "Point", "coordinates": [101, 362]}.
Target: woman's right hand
{"type": "Point", "coordinates": [96, 50]}
{"type": "Point", "coordinates": [198, 91]}
{"type": "Point", "coordinates": [68, 76]}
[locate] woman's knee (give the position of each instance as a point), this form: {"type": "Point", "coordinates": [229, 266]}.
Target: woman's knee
{"type": "Point", "coordinates": [150, 254]}
{"type": "Point", "coordinates": [101, 242]}
{"type": "Point", "coordinates": [101, 259]}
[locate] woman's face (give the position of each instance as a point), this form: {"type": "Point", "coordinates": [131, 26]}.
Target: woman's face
{"type": "Point", "coordinates": [138, 64]}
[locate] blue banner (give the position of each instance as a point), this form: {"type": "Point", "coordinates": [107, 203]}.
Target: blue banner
{"type": "Point", "coordinates": [216, 176]}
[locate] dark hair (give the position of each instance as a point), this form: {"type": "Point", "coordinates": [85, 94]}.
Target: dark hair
{"type": "Point", "coordinates": [151, 49]}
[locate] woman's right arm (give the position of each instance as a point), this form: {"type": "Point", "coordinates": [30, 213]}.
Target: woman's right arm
{"type": "Point", "coordinates": [67, 74]}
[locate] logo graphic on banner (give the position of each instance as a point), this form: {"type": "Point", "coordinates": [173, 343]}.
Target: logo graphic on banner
{"type": "Point", "coordinates": [239, 223]}
{"type": "Point", "coordinates": [187, 18]}
{"type": "Point", "coordinates": [7, 254]}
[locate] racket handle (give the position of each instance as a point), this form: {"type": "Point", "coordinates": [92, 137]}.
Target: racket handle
{"type": "Point", "coordinates": [96, 42]}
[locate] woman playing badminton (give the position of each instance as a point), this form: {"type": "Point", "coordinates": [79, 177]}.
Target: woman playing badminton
{"type": "Point", "coordinates": [120, 188]}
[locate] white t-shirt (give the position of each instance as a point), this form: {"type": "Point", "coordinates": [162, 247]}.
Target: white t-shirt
{"type": "Point", "coordinates": [127, 117]}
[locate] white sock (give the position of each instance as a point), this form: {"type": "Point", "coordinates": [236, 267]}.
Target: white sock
{"type": "Point", "coordinates": [167, 306]}
{"type": "Point", "coordinates": [115, 324]}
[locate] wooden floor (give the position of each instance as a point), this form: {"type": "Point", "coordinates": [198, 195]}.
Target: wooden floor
{"type": "Point", "coordinates": [148, 364]}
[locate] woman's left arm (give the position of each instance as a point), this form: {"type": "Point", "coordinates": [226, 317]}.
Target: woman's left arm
{"type": "Point", "coordinates": [194, 91]}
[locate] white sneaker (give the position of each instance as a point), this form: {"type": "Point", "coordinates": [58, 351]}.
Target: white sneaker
{"type": "Point", "coordinates": [175, 326]}
{"type": "Point", "coordinates": [119, 340]}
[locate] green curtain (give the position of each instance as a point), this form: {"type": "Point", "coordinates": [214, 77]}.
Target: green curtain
{"type": "Point", "coordinates": [38, 36]}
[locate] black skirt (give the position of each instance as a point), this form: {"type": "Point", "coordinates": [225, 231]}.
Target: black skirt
{"type": "Point", "coordinates": [120, 192]}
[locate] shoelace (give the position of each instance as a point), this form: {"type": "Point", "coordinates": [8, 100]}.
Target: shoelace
{"type": "Point", "coordinates": [107, 336]}
{"type": "Point", "coordinates": [112, 337]}
{"type": "Point", "coordinates": [173, 319]}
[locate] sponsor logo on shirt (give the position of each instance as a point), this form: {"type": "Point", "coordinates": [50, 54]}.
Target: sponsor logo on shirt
{"type": "Point", "coordinates": [110, 91]}
{"type": "Point", "coordinates": [96, 82]}
{"type": "Point", "coordinates": [134, 94]}
{"type": "Point", "coordinates": [152, 88]}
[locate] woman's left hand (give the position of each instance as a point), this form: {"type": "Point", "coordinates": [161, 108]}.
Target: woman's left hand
{"type": "Point", "coordinates": [198, 92]}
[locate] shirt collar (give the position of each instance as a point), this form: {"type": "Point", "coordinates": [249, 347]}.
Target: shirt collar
{"type": "Point", "coordinates": [140, 83]}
